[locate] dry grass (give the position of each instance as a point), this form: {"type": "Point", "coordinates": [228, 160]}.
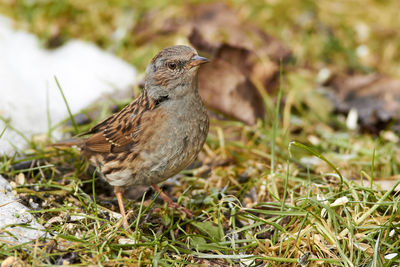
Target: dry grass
{"type": "Point", "coordinates": [259, 198]}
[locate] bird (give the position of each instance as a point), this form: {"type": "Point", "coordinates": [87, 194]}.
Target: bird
{"type": "Point", "coordinates": [158, 134]}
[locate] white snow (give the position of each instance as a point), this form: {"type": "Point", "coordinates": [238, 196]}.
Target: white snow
{"type": "Point", "coordinates": [27, 72]}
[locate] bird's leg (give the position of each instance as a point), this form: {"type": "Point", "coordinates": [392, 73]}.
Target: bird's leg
{"type": "Point", "coordinates": [119, 192]}
{"type": "Point", "coordinates": [171, 203]}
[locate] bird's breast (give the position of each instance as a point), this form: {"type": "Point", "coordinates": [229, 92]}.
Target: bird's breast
{"type": "Point", "coordinates": [176, 144]}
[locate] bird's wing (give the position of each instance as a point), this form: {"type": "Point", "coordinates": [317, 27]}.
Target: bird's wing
{"type": "Point", "coordinates": [122, 130]}
{"type": "Point", "coordinates": [131, 108]}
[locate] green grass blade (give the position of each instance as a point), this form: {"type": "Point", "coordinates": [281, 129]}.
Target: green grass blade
{"type": "Point", "coordinates": [66, 104]}
{"type": "Point", "coordinates": [318, 155]}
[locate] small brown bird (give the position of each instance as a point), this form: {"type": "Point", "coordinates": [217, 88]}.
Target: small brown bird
{"type": "Point", "coordinates": [157, 135]}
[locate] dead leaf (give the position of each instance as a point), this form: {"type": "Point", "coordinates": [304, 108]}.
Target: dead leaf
{"type": "Point", "coordinates": [218, 24]}
{"type": "Point", "coordinates": [376, 99]}
{"type": "Point", "coordinates": [266, 71]}
{"type": "Point", "coordinates": [225, 88]}
{"type": "Point", "coordinates": [241, 53]}
{"type": "Point", "coordinates": [219, 31]}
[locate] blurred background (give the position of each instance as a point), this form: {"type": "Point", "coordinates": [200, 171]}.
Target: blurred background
{"type": "Point", "coordinates": [354, 35]}
{"type": "Point", "coordinates": [302, 157]}
{"type": "Point", "coordinates": [336, 56]}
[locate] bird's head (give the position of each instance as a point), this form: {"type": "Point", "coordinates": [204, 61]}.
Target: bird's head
{"type": "Point", "coordinates": [173, 72]}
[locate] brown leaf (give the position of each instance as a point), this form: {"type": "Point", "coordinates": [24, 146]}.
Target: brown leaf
{"type": "Point", "coordinates": [267, 72]}
{"type": "Point", "coordinates": [225, 88]}
{"type": "Point", "coordinates": [241, 53]}
{"type": "Point", "coordinates": [218, 25]}
{"type": "Point", "coordinates": [375, 97]}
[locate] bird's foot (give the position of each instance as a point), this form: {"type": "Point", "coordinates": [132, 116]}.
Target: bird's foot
{"type": "Point", "coordinates": [119, 192]}
{"type": "Point", "coordinates": [171, 203]}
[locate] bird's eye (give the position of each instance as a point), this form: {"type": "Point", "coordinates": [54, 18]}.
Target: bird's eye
{"type": "Point", "coordinates": [171, 65]}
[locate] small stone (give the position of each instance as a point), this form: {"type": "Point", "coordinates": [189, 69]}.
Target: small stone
{"type": "Point", "coordinates": [392, 232]}
{"type": "Point", "coordinates": [77, 217]}
{"type": "Point", "coordinates": [70, 226]}
{"type": "Point", "coordinates": [13, 184]}
{"type": "Point", "coordinates": [20, 179]}
{"type": "Point", "coordinates": [314, 140]}
{"type": "Point", "coordinates": [390, 136]}
{"type": "Point", "coordinates": [323, 75]}
{"type": "Point", "coordinates": [362, 51]}
{"type": "Point", "coordinates": [390, 256]}
{"type": "Point", "coordinates": [340, 202]}
{"type": "Point", "coordinates": [352, 119]}
{"type": "Point", "coordinates": [8, 262]}
{"type": "Point", "coordinates": [303, 259]}
{"type": "Point", "coordinates": [33, 204]}
{"type": "Point", "coordinates": [115, 215]}
{"type": "Point", "coordinates": [53, 220]}
{"type": "Point", "coordinates": [363, 31]}
{"type": "Point", "coordinates": [126, 241]}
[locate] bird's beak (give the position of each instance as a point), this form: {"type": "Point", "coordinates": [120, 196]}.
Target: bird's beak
{"type": "Point", "coordinates": [197, 60]}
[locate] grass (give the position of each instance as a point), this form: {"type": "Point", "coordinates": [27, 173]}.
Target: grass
{"type": "Point", "coordinates": [297, 187]}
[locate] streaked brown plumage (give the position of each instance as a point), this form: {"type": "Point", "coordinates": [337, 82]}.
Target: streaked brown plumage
{"type": "Point", "coordinates": [159, 133]}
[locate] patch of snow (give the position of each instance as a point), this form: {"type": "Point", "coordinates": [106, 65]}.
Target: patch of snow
{"type": "Point", "coordinates": [84, 71]}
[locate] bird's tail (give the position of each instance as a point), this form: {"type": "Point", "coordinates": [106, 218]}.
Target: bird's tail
{"type": "Point", "coordinates": [68, 143]}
